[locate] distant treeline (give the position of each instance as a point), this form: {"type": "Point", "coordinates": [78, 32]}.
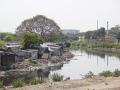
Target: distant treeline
{"type": "Point", "coordinates": [100, 34]}
{"type": "Point", "coordinates": [96, 34]}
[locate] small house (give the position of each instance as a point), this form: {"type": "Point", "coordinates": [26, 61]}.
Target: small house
{"type": "Point", "coordinates": [52, 48]}
{"type": "Point", "coordinates": [6, 60]}
{"type": "Point", "coordinates": [30, 53]}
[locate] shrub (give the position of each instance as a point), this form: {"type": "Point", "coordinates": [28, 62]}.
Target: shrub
{"type": "Point", "coordinates": [56, 77]}
{"type": "Point", "coordinates": [27, 81]}
{"type": "Point", "coordinates": [9, 38]}
{"type": "Point", "coordinates": [17, 83]}
{"type": "Point", "coordinates": [106, 73]}
{"type": "Point", "coordinates": [116, 73]}
{"type": "Point", "coordinates": [1, 84]}
{"type": "Point", "coordinates": [67, 44]}
{"type": "Point", "coordinates": [2, 44]}
{"type": "Point", "coordinates": [89, 75]}
{"type": "Point", "coordinates": [35, 81]}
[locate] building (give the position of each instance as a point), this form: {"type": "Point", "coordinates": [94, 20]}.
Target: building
{"type": "Point", "coordinates": [30, 53]}
{"type": "Point", "coordinates": [6, 60]}
{"type": "Point", "coordinates": [51, 49]}
{"type": "Point", "coordinates": [70, 34]}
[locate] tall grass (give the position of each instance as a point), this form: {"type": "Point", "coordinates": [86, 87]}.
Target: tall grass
{"type": "Point", "coordinates": [18, 83]}
{"type": "Point", "coordinates": [1, 84]}
{"type": "Point", "coordinates": [106, 73]}
{"type": "Point", "coordinates": [57, 77]}
{"type": "Point", "coordinates": [94, 44]}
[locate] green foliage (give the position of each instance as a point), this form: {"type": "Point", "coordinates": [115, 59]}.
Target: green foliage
{"type": "Point", "coordinates": [2, 44]}
{"type": "Point", "coordinates": [96, 34]}
{"type": "Point", "coordinates": [116, 73]}
{"type": "Point", "coordinates": [31, 39]}
{"type": "Point", "coordinates": [67, 44]}
{"type": "Point", "coordinates": [56, 77]}
{"type": "Point", "coordinates": [18, 83]}
{"type": "Point", "coordinates": [54, 37]}
{"type": "Point", "coordinates": [1, 84]}
{"type": "Point", "coordinates": [106, 73]}
{"type": "Point", "coordinates": [9, 38]}
{"type": "Point", "coordinates": [89, 75]}
{"type": "Point", "coordinates": [118, 36]}
{"type": "Point", "coordinates": [94, 44]}
{"type": "Point", "coordinates": [35, 81]}
{"type": "Point", "coordinates": [47, 28]}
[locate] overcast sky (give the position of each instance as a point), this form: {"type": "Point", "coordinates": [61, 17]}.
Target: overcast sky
{"type": "Point", "coordinates": [68, 14]}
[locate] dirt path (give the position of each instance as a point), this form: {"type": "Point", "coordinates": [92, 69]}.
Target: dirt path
{"type": "Point", "coordinates": [111, 83]}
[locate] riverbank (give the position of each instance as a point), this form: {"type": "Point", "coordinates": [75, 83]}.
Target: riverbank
{"type": "Point", "coordinates": [99, 83]}
{"type": "Point", "coordinates": [97, 45]}
{"type": "Point", "coordinates": [28, 69]}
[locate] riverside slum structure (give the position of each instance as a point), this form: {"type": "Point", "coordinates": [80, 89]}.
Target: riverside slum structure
{"type": "Point", "coordinates": [14, 53]}
{"type": "Point", "coordinates": [52, 52]}
{"type": "Point", "coordinates": [51, 49]}
{"type": "Point", "coordinates": [8, 55]}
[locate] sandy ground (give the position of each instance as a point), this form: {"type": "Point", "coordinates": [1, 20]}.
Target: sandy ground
{"type": "Point", "coordinates": [111, 83]}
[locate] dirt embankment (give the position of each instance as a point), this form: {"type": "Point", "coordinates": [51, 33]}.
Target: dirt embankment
{"type": "Point", "coordinates": [111, 83]}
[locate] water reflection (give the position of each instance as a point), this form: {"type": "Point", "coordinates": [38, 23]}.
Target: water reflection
{"type": "Point", "coordinates": [85, 61]}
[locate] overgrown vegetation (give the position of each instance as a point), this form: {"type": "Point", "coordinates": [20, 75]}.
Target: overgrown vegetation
{"type": "Point", "coordinates": [115, 73]}
{"type": "Point", "coordinates": [89, 75]}
{"type": "Point", "coordinates": [45, 27]}
{"type": "Point", "coordinates": [57, 77]}
{"type": "Point", "coordinates": [94, 44]}
{"type": "Point", "coordinates": [9, 38]}
{"type": "Point", "coordinates": [21, 83]}
{"type": "Point", "coordinates": [31, 39]}
{"type": "Point", "coordinates": [2, 44]}
{"type": "Point", "coordinates": [67, 44]}
{"type": "Point", "coordinates": [96, 34]}
{"type": "Point", "coordinates": [106, 73]}
{"type": "Point", "coordinates": [35, 81]}
{"type": "Point", "coordinates": [1, 84]}
{"type": "Point", "coordinates": [18, 83]}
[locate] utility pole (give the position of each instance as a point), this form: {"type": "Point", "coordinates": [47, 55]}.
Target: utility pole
{"type": "Point", "coordinates": [107, 29]}
{"type": "Point", "coordinates": [97, 25]}
{"type": "Point", "coordinates": [107, 25]}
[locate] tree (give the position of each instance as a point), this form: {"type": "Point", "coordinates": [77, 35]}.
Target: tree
{"type": "Point", "coordinates": [117, 27]}
{"type": "Point", "coordinates": [2, 44]}
{"type": "Point", "coordinates": [118, 37]}
{"type": "Point", "coordinates": [31, 39]}
{"type": "Point", "coordinates": [9, 38]}
{"type": "Point", "coordinates": [40, 24]}
{"type": "Point", "coordinates": [96, 34]}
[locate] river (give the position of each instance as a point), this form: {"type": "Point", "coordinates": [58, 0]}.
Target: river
{"type": "Point", "coordinates": [83, 62]}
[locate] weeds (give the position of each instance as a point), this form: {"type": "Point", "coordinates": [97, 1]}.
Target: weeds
{"type": "Point", "coordinates": [56, 77]}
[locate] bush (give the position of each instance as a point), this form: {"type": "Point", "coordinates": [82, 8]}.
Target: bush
{"type": "Point", "coordinates": [17, 83]}
{"type": "Point", "coordinates": [67, 44]}
{"type": "Point", "coordinates": [1, 84]}
{"type": "Point", "coordinates": [9, 38]}
{"type": "Point", "coordinates": [31, 39]}
{"type": "Point", "coordinates": [116, 73]}
{"type": "Point", "coordinates": [2, 44]}
{"type": "Point", "coordinates": [89, 75]}
{"type": "Point", "coordinates": [35, 81]}
{"type": "Point", "coordinates": [106, 73]}
{"type": "Point", "coordinates": [56, 77]}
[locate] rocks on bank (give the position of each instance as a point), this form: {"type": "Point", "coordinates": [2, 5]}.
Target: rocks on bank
{"type": "Point", "coordinates": [33, 66]}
